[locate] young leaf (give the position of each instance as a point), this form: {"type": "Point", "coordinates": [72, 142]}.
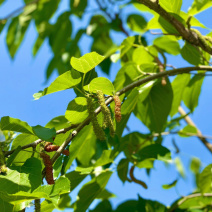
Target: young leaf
{"type": "Point", "coordinates": [171, 185]}
{"type": "Point", "coordinates": [173, 6]}
{"type": "Point", "coordinates": [87, 62]}
{"type": "Point", "coordinates": [12, 124]}
{"type": "Point", "coordinates": [103, 84]}
{"type": "Point", "coordinates": [65, 81]}
{"type": "Point", "coordinates": [77, 110]}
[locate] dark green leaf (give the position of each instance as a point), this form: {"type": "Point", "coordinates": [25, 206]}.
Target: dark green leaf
{"type": "Point", "coordinates": [136, 23]}
{"type": "Point", "coordinates": [192, 92]}
{"type": "Point", "coordinates": [78, 7]}
{"type": "Point", "coordinates": [122, 169]}
{"type": "Point", "coordinates": [43, 133]}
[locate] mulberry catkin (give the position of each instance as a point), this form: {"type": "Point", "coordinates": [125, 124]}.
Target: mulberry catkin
{"type": "Point", "coordinates": [96, 126]}
{"type": "Point", "coordinates": [106, 112]}
{"type": "Point", "coordinates": [49, 169]}
{"type": "Point", "coordinates": [49, 147]}
{"type": "Point", "coordinates": [117, 108]}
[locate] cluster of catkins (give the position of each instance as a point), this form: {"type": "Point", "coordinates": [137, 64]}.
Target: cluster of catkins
{"type": "Point", "coordinates": [108, 122]}
{"type": "Point", "coordinates": [49, 169]}
{"type": "Point", "coordinates": [49, 147]}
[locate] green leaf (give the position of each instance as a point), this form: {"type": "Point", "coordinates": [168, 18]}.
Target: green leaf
{"type": "Point", "coordinates": [57, 167]}
{"type": "Point", "coordinates": [191, 54]}
{"type": "Point", "coordinates": [77, 110]}
{"type": "Point", "coordinates": [105, 194]}
{"type": "Point", "coordinates": [180, 167]}
{"type": "Point", "coordinates": [58, 123]}
{"type": "Point", "coordinates": [122, 169]}
{"type": "Point", "coordinates": [168, 43]}
{"type": "Point", "coordinates": [65, 81]}
{"type": "Point", "coordinates": [136, 23]}
{"type": "Point", "coordinates": [196, 202]}
{"type": "Point", "coordinates": [78, 7]}
{"type": "Point", "coordinates": [188, 129]}
{"type": "Point", "coordinates": [199, 6]}
{"type": "Point", "coordinates": [75, 178]}
{"type": "Point", "coordinates": [171, 6]}
{"type": "Point", "coordinates": [21, 140]}
{"type": "Point", "coordinates": [141, 55]}
{"type": "Point", "coordinates": [126, 75]}
{"type": "Point", "coordinates": [103, 206]}
{"type": "Point", "coordinates": [16, 32]}
{"type": "Point", "coordinates": [204, 179]}
{"type": "Point", "coordinates": [13, 156]}
{"type": "Point", "coordinates": [154, 110]}
{"type": "Point", "coordinates": [60, 33]}
{"type": "Point", "coordinates": [12, 124]}
{"type": "Point", "coordinates": [171, 185]}
{"type": "Point", "coordinates": [153, 151]}
{"type": "Point", "coordinates": [103, 84]}
{"type": "Point", "coordinates": [87, 62]}
{"type": "Point", "coordinates": [106, 157]}
{"type": "Point", "coordinates": [178, 86]}
{"type": "Point", "coordinates": [127, 44]}
{"type": "Point", "coordinates": [80, 146]}
{"type": "Point", "coordinates": [95, 187]}
{"type": "Point", "coordinates": [195, 165]}
{"type": "Point", "coordinates": [192, 92]}
{"type": "Point", "coordinates": [43, 133]}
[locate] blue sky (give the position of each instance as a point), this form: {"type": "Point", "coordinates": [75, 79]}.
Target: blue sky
{"type": "Point", "coordinates": [25, 75]}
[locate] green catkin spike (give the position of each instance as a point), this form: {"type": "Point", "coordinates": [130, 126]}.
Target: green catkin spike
{"type": "Point", "coordinates": [3, 168]}
{"type": "Point", "coordinates": [106, 112]}
{"type": "Point", "coordinates": [37, 205]}
{"type": "Point", "coordinates": [96, 126]}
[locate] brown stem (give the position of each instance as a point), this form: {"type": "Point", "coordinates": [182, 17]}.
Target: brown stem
{"type": "Point", "coordinates": [187, 34]}
{"type": "Point", "coordinates": [199, 133]}
{"type": "Point", "coordinates": [143, 184]}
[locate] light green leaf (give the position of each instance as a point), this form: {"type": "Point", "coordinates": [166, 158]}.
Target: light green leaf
{"type": "Point", "coordinates": [79, 145]}
{"type": "Point", "coordinates": [58, 123]}
{"type": "Point", "coordinates": [204, 180]}
{"type": "Point", "coordinates": [122, 169]}
{"type": "Point", "coordinates": [168, 44]}
{"type": "Point", "coordinates": [141, 55]}
{"type": "Point", "coordinates": [171, 185]}
{"type": "Point", "coordinates": [13, 124]}
{"type": "Point", "coordinates": [103, 84]}
{"type": "Point", "coordinates": [188, 129]}
{"type": "Point", "coordinates": [77, 110]}
{"type": "Point", "coordinates": [195, 165]}
{"type": "Point", "coordinates": [65, 81]}
{"type": "Point", "coordinates": [87, 62]}
{"type": "Point", "coordinates": [192, 92]}
{"type": "Point", "coordinates": [13, 156]}
{"type": "Point", "coordinates": [199, 6]}
{"type": "Point", "coordinates": [95, 187]}
{"type": "Point", "coordinates": [136, 23]}
{"type": "Point", "coordinates": [178, 86]}
{"type": "Point", "coordinates": [180, 167]}
{"type": "Point", "coordinates": [43, 133]}
{"type": "Point", "coordinates": [106, 157]}
{"type": "Point", "coordinates": [127, 44]}
{"type": "Point", "coordinates": [191, 54]}
{"type": "Point", "coordinates": [154, 110]}
{"type": "Point", "coordinates": [21, 140]}
{"type": "Point", "coordinates": [173, 6]}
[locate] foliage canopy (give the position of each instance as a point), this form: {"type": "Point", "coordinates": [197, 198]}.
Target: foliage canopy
{"type": "Point", "coordinates": [92, 133]}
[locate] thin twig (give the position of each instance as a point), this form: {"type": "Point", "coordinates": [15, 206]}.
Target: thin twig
{"type": "Point", "coordinates": [161, 33]}
{"type": "Point", "coordinates": [189, 35]}
{"type": "Point", "coordinates": [180, 202]}
{"type": "Point", "coordinates": [35, 143]}
{"type": "Point", "coordinates": [199, 133]}
{"type": "Point", "coordinates": [122, 91]}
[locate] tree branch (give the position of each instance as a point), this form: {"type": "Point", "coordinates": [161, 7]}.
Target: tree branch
{"type": "Point", "coordinates": [35, 143]}
{"type": "Point", "coordinates": [199, 133]}
{"type": "Point", "coordinates": [189, 35]}
{"type": "Point", "coordinates": [122, 91]}
{"type": "Point", "coordinates": [180, 202]}
{"type": "Point", "coordinates": [3, 20]}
